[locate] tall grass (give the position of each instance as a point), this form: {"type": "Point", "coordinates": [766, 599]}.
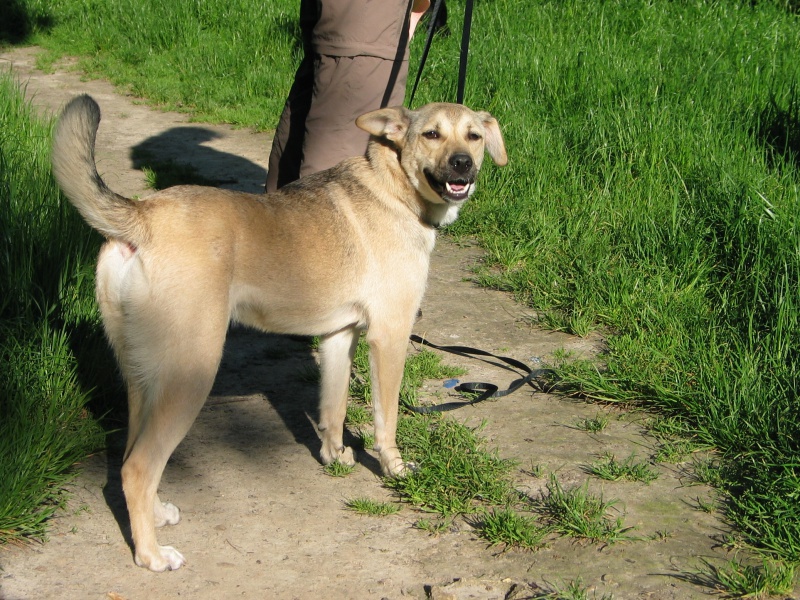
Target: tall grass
{"type": "Point", "coordinates": [229, 62]}
{"type": "Point", "coordinates": [653, 188]}
{"type": "Point", "coordinates": [46, 255]}
{"type": "Point", "coordinates": [654, 192]}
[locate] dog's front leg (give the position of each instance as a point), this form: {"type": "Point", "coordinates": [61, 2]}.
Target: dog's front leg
{"type": "Point", "coordinates": [336, 358]}
{"type": "Point", "coordinates": [388, 349]}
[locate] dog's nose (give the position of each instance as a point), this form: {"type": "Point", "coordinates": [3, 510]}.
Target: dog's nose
{"type": "Point", "coordinates": [461, 163]}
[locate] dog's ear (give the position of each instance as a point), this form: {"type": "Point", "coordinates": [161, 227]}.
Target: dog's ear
{"type": "Point", "coordinates": [495, 145]}
{"type": "Point", "coordinates": [389, 123]}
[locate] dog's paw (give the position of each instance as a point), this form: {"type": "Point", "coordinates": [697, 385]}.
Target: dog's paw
{"type": "Point", "coordinates": [166, 513]}
{"type": "Point", "coordinates": [165, 559]}
{"type": "Point", "coordinates": [347, 457]}
{"type": "Point", "coordinates": [342, 454]}
{"type": "Point", "coordinates": [393, 465]}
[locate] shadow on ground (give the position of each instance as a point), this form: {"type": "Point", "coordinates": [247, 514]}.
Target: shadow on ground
{"type": "Point", "coordinates": [180, 156]}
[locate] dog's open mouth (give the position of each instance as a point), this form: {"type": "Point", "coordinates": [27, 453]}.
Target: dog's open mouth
{"type": "Point", "coordinates": [451, 190]}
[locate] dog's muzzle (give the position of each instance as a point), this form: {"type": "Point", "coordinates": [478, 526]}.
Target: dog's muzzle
{"type": "Point", "coordinates": [458, 183]}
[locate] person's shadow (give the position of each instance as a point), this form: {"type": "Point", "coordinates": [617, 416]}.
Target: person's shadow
{"type": "Point", "coordinates": [180, 156]}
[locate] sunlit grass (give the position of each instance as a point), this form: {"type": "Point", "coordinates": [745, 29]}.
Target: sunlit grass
{"type": "Point", "coordinates": [49, 328]}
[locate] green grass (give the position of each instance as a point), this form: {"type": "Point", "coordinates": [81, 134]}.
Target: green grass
{"type": "Point", "coordinates": [455, 472]}
{"type": "Point", "coordinates": [654, 192]}
{"type": "Point", "coordinates": [372, 508]}
{"type": "Point", "coordinates": [653, 189]}
{"type": "Point", "coordinates": [676, 444]}
{"type": "Point", "coordinates": [575, 590]}
{"type": "Point", "coordinates": [338, 469]}
{"type": "Point", "coordinates": [592, 425]}
{"type": "Point", "coordinates": [707, 506]}
{"type": "Point", "coordinates": [366, 437]}
{"type": "Point", "coordinates": [707, 470]}
{"type": "Point", "coordinates": [576, 512]}
{"type": "Point", "coordinates": [432, 526]}
{"type": "Point", "coordinates": [246, 51]}
{"type": "Point", "coordinates": [611, 469]}
{"type": "Point", "coordinates": [506, 527]}
{"type": "Point", "coordinates": [738, 580]}
{"type": "Point", "coordinates": [51, 346]}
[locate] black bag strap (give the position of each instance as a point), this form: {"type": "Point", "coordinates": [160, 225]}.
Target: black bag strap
{"type": "Point", "coordinates": [398, 58]}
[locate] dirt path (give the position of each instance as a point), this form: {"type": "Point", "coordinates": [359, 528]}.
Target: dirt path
{"type": "Point", "coordinates": [261, 520]}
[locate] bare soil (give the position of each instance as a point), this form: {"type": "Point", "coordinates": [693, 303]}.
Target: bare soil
{"type": "Point", "coordinates": [259, 517]}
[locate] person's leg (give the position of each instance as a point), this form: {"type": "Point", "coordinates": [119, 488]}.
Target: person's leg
{"type": "Point", "coordinates": [286, 155]}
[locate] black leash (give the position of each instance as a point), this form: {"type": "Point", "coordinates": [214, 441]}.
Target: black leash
{"type": "Point", "coordinates": [542, 380]}
{"type": "Point", "coordinates": [532, 377]}
{"type": "Point", "coordinates": [462, 61]}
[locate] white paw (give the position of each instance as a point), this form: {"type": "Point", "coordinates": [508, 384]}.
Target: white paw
{"type": "Point", "coordinates": [168, 514]}
{"type": "Point", "coordinates": [342, 454]}
{"type": "Point", "coordinates": [347, 457]}
{"type": "Point", "coordinates": [392, 464]}
{"type": "Point", "coordinates": [166, 559]}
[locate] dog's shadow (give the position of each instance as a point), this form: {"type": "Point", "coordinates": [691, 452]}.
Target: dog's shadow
{"type": "Point", "coordinates": [279, 370]}
{"type": "Point", "coordinates": [284, 371]}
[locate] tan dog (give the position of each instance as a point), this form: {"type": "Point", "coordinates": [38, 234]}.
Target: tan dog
{"type": "Point", "coordinates": [334, 254]}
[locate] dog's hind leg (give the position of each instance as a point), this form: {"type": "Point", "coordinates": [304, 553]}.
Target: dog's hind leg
{"type": "Point", "coordinates": [164, 513]}
{"type": "Point", "coordinates": [336, 358]}
{"type": "Point", "coordinates": [168, 407]}
{"type": "Point", "coordinates": [163, 427]}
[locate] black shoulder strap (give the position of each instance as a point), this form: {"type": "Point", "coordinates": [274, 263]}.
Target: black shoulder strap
{"type": "Point", "coordinates": [437, 5]}
{"type": "Point", "coordinates": [398, 58]}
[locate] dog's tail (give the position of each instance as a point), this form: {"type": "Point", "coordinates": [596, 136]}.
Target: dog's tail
{"type": "Point", "coordinates": [74, 168]}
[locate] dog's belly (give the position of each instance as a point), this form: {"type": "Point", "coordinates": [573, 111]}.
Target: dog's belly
{"type": "Point", "coordinates": [314, 314]}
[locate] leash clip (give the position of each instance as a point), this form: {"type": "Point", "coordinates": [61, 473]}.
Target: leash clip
{"type": "Point", "coordinates": [484, 391]}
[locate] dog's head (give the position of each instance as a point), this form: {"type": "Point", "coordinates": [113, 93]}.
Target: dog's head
{"type": "Point", "coordinates": [440, 148]}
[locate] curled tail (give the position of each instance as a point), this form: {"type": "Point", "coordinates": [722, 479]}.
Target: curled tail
{"type": "Point", "coordinates": [114, 216]}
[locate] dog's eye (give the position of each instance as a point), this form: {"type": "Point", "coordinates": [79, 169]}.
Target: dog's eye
{"type": "Point", "coordinates": [431, 135]}
{"type": "Point", "coordinates": [473, 137]}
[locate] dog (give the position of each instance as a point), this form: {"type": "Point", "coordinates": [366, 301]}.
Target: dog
{"type": "Point", "coordinates": [335, 254]}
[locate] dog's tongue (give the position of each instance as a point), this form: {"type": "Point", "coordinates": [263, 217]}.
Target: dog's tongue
{"type": "Point", "coordinates": [456, 188]}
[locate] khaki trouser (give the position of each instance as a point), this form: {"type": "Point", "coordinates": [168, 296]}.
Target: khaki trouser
{"type": "Point", "coordinates": [356, 60]}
